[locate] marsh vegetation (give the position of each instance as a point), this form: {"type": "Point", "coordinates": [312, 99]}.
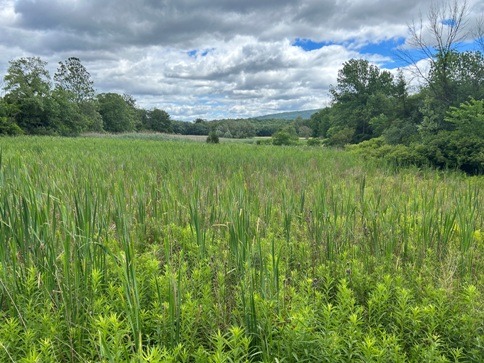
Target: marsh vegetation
{"type": "Point", "coordinates": [126, 250]}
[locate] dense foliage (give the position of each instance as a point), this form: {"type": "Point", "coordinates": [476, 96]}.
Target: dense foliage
{"type": "Point", "coordinates": [115, 250]}
{"type": "Point", "coordinates": [441, 125]}
{"type": "Point", "coordinates": [33, 105]}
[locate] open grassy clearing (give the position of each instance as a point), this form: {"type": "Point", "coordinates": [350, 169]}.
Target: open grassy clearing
{"type": "Point", "coordinates": [118, 250]}
{"type": "Point", "coordinates": [157, 136]}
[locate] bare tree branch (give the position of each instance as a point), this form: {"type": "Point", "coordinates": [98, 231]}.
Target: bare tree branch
{"type": "Point", "coordinates": [433, 38]}
{"type": "Point", "coordinates": [479, 33]}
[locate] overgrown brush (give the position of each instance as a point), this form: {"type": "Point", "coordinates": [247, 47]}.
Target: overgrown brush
{"type": "Point", "coordinates": [117, 250]}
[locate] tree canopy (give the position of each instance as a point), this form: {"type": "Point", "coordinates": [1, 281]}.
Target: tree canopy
{"type": "Point", "coordinates": [70, 106]}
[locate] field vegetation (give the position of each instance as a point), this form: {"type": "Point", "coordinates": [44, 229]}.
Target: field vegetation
{"type": "Point", "coordinates": [140, 250]}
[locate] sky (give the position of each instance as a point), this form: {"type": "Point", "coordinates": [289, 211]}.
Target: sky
{"type": "Point", "coordinates": [213, 59]}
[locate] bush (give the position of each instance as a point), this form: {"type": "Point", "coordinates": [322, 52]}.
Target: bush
{"type": "Point", "coordinates": [399, 155]}
{"type": "Point", "coordinates": [212, 138]}
{"type": "Point", "coordinates": [284, 138]}
{"type": "Point", "coordinates": [454, 150]}
{"type": "Point", "coordinates": [314, 142]}
{"type": "Point", "coordinates": [402, 155]}
{"type": "Point", "coordinates": [264, 142]}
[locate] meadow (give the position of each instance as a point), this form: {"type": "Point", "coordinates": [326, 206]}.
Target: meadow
{"type": "Point", "coordinates": [140, 250]}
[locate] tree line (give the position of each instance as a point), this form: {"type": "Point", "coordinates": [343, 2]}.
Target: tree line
{"type": "Point", "coordinates": [36, 104]}
{"type": "Point", "coordinates": [67, 104]}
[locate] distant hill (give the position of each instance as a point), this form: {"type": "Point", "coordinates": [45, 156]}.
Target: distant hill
{"type": "Point", "coordinates": [288, 115]}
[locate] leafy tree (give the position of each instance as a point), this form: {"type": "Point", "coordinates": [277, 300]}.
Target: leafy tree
{"type": "Point", "coordinates": [238, 129]}
{"type": "Point", "coordinates": [400, 132]}
{"type": "Point", "coordinates": [27, 78]}
{"type": "Point", "coordinates": [7, 123]}
{"type": "Point", "coordinates": [27, 86]}
{"type": "Point", "coordinates": [468, 119]}
{"type": "Point", "coordinates": [340, 137]}
{"type": "Point", "coordinates": [65, 114]}
{"type": "Point", "coordinates": [466, 76]}
{"type": "Point", "coordinates": [304, 131]}
{"type": "Point", "coordinates": [117, 114]}
{"type": "Point", "coordinates": [134, 111]}
{"type": "Point", "coordinates": [363, 91]}
{"type": "Point", "coordinates": [158, 120]}
{"type": "Point", "coordinates": [73, 83]}
{"type": "Point", "coordinates": [320, 122]}
{"type": "Point", "coordinates": [93, 119]}
{"type": "Point", "coordinates": [199, 127]}
{"type": "Point", "coordinates": [452, 74]}
{"type": "Point", "coordinates": [73, 78]}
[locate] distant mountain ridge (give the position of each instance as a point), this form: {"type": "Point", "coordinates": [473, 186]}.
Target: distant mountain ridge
{"type": "Point", "coordinates": [306, 114]}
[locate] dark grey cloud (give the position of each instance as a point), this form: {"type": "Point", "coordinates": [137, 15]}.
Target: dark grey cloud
{"type": "Point", "coordinates": [114, 23]}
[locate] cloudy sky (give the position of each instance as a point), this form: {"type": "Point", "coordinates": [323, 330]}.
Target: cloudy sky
{"type": "Point", "coordinates": [211, 58]}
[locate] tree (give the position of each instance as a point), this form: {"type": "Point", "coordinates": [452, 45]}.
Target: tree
{"type": "Point", "coordinates": [304, 131]}
{"type": "Point", "coordinates": [468, 118]}
{"type": "Point", "coordinates": [464, 79]}
{"type": "Point", "coordinates": [466, 76]}
{"type": "Point", "coordinates": [159, 120]}
{"type": "Point", "coordinates": [363, 91]}
{"type": "Point", "coordinates": [436, 40]}
{"type": "Point", "coordinates": [117, 114]}
{"type": "Point", "coordinates": [26, 78]}
{"type": "Point", "coordinates": [72, 77]}
{"type": "Point", "coordinates": [27, 86]}
{"type": "Point", "coordinates": [65, 114]}
{"type": "Point", "coordinates": [74, 83]}
{"type": "Point", "coordinates": [7, 123]}
{"type": "Point", "coordinates": [479, 33]}
{"type": "Point", "coordinates": [321, 122]}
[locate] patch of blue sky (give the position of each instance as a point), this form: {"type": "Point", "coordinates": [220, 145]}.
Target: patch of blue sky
{"type": "Point", "coordinates": [449, 22]}
{"type": "Point", "coordinates": [211, 100]}
{"type": "Point", "coordinates": [388, 49]}
{"type": "Point", "coordinates": [309, 45]}
{"type": "Point", "coordinates": [194, 53]}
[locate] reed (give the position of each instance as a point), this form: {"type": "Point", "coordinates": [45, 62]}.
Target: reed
{"type": "Point", "coordinates": [147, 250]}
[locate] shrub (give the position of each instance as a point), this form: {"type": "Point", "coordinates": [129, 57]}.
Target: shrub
{"type": "Point", "coordinates": [453, 150]}
{"type": "Point", "coordinates": [404, 156]}
{"type": "Point", "coordinates": [212, 138]}
{"type": "Point", "coordinates": [264, 142]}
{"type": "Point", "coordinates": [314, 142]}
{"type": "Point", "coordinates": [399, 155]}
{"type": "Point", "coordinates": [284, 138]}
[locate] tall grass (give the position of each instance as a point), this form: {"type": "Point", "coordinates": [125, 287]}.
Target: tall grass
{"type": "Point", "coordinates": [146, 250]}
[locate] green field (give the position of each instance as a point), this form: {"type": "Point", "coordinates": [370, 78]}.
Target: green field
{"type": "Point", "coordinates": [129, 250]}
